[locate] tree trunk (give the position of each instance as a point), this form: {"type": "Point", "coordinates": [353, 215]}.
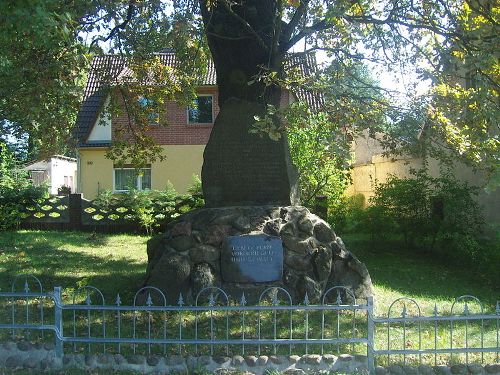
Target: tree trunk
{"type": "Point", "coordinates": [240, 168]}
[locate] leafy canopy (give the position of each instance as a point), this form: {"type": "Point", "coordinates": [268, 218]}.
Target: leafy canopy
{"type": "Point", "coordinates": [46, 46]}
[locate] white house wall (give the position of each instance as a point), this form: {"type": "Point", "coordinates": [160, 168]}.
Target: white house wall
{"type": "Point", "coordinates": [102, 128]}
{"type": "Point", "coordinates": [62, 173]}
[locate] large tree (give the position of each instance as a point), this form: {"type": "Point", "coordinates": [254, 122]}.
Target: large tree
{"type": "Point", "coordinates": [46, 45]}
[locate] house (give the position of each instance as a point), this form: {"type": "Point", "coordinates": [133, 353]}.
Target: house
{"type": "Point", "coordinates": [183, 140]}
{"type": "Point", "coordinates": [371, 165]}
{"type": "Point", "coordinates": [57, 171]}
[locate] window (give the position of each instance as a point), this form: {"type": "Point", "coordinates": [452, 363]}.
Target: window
{"type": "Point", "coordinates": [149, 106]}
{"type": "Point", "coordinates": [202, 112]}
{"type": "Point", "coordinates": [127, 178]}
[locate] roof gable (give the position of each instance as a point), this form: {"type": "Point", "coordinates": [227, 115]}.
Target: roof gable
{"type": "Point", "coordinates": [107, 70]}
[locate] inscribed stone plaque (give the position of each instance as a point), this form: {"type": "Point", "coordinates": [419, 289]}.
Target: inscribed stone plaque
{"type": "Point", "coordinates": [252, 259]}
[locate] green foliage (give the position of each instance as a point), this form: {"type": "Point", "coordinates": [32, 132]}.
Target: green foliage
{"type": "Point", "coordinates": [63, 190]}
{"type": "Point", "coordinates": [428, 211]}
{"type": "Point", "coordinates": [195, 189]}
{"type": "Point", "coordinates": [318, 152]}
{"type": "Point", "coordinates": [437, 215]}
{"type": "Point", "coordinates": [151, 209]}
{"type": "Point", "coordinates": [41, 70]}
{"type": "Point", "coordinates": [16, 190]}
{"type": "Point", "coordinates": [346, 213]}
{"type": "Point", "coordinates": [452, 45]}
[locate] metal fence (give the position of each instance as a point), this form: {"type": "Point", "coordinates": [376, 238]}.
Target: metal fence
{"type": "Point", "coordinates": [216, 325]}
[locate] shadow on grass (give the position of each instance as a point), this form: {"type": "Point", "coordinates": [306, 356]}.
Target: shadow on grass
{"type": "Point", "coordinates": [23, 238]}
{"type": "Point", "coordinates": [416, 274]}
{"type": "Point", "coordinates": [43, 254]}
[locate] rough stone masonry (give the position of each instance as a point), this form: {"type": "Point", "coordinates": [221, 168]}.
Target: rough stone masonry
{"type": "Point", "coordinates": [37, 357]}
{"type": "Point", "coordinates": [187, 257]}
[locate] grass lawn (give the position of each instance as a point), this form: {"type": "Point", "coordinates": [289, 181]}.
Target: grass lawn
{"type": "Point", "coordinates": [112, 263]}
{"type": "Point", "coordinates": [422, 277]}
{"type": "Point", "coordinates": [117, 264]}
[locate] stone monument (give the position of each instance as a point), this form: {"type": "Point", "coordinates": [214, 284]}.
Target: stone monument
{"type": "Point", "coordinates": [252, 234]}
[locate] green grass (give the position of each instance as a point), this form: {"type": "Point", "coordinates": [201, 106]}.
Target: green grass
{"type": "Point", "coordinates": [112, 263]}
{"type": "Point", "coordinates": [423, 277]}
{"type": "Point", "coordinates": [117, 264]}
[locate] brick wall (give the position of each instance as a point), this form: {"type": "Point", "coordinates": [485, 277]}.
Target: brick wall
{"type": "Point", "coordinates": [178, 131]}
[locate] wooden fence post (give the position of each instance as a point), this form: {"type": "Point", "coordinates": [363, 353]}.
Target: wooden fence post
{"type": "Point", "coordinates": [321, 206]}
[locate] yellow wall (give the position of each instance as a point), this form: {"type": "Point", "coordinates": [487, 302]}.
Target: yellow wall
{"type": "Point", "coordinates": [182, 161]}
{"type": "Point", "coordinates": [363, 176]}
{"type": "Point", "coordinates": [95, 173]}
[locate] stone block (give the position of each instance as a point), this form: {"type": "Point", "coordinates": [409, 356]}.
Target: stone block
{"type": "Point", "coordinates": [251, 360]}
{"type": "Point", "coordinates": [346, 358]}
{"type": "Point", "coordinates": [329, 358]}
{"type": "Point", "coordinates": [45, 364]}
{"type": "Point", "coordinates": [221, 359]}
{"type": "Point", "coordinates": [9, 345]}
{"type": "Point", "coordinates": [175, 360]}
{"type": "Point", "coordinates": [14, 361]}
{"type": "Point", "coordinates": [103, 359]}
{"type": "Point", "coordinates": [311, 359]}
{"type": "Point", "coordinates": [305, 225]}
{"type": "Point", "coordinates": [238, 360]}
{"type": "Point", "coordinates": [459, 369]}
{"type": "Point", "coordinates": [90, 360]}
{"type": "Point", "coordinates": [323, 232]}
{"type": "Point", "coordinates": [153, 360]}
{"type": "Point", "coordinates": [277, 360]}
{"type": "Point", "coordinates": [475, 368]}
{"type": "Point", "coordinates": [136, 359]}
{"type": "Point", "coordinates": [204, 253]}
{"type": "Point", "coordinates": [425, 370]}
{"type": "Point", "coordinates": [119, 359]}
{"type": "Point", "coordinates": [30, 363]}
{"type": "Point", "coordinates": [204, 360]}
{"type": "Point", "coordinates": [262, 360]}
{"type": "Point", "coordinates": [442, 370]}
{"type": "Point", "coordinates": [492, 369]}
{"type": "Point", "coordinates": [395, 370]}
{"type": "Point", "coordinates": [410, 370]}
{"type": "Point", "coordinates": [24, 346]}
{"type": "Point", "coordinates": [67, 358]}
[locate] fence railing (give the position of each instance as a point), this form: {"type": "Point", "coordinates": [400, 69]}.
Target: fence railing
{"type": "Point", "coordinates": [215, 324]}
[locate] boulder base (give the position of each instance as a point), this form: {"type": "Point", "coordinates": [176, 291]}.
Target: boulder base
{"type": "Point", "coordinates": [187, 257]}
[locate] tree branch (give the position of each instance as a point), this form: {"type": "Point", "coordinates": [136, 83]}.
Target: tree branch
{"type": "Point", "coordinates": [319, 26]}
{"type": "Point", "coordinates": [120, 26]}
{"type": "Point", "coordinates": [294, 22]}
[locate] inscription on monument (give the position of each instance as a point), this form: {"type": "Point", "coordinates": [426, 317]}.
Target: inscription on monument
{"type": "Point", "coordinates": [252, 259]}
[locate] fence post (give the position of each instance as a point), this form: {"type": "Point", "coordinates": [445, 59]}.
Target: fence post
{"type": "Point", "coordinates": [58, 321]}
{"type": "Point", "coordinates": [321, 206]}
{"type": "Point", "coordinates": [371, 336]}
{"type": "Point", "coordinates": [75, 211]}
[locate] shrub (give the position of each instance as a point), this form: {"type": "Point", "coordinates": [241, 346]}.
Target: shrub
{"type": "Point", "coordinates": [151, 209]}
{"type": "Point", "coordinates": [346, 214]}
{"type": "Point", "coordinates": [16, 190]}
{"type": "Point", "coordinates": [437, 215]}
{"type": "Point", "coordinates": [63, 190]}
